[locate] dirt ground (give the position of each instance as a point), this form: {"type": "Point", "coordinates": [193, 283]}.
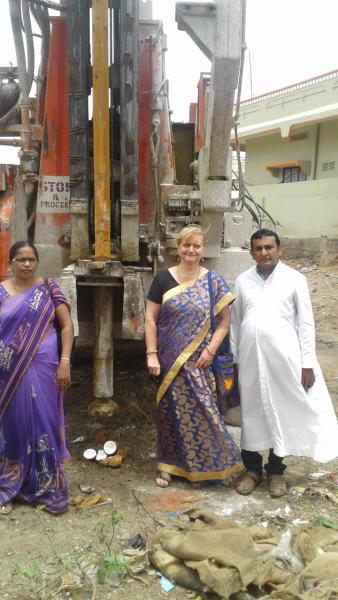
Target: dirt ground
{"type": "Point", "coordinates": [42, 555]}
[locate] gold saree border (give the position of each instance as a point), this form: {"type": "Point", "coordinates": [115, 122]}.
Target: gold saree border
{"type": "Point", "coordinates": [199, 476]}
{"type": "Point", "coordinates": [180, 287]}
{"type": "Point", "coordinates": [190, 349]}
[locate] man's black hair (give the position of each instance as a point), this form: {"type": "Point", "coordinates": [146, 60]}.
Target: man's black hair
{"type": "Point", "coordinates": [258, 235]}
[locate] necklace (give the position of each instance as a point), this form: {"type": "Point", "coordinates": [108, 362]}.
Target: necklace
{"type": "Point", "coordinates": [187, 277]}
{"type": "Point", "coordinates": [14, 286]}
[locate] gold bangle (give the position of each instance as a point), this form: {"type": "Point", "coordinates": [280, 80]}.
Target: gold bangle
{"type": "Point", "coordinates": [210, 351]}
{"type": "Point", "coordinates": [151, 352]}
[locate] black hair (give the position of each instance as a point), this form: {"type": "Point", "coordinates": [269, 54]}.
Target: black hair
{"type": "Point", "coordinates": [258, 235]}
{"type": "Point", "coordinates": [14, 249]}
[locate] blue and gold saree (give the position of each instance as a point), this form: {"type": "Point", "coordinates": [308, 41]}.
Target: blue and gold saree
{"type": "Point", "coordinates": [192, 440]}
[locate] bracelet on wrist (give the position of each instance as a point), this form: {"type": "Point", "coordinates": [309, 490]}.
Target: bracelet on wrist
{"type": "Point", "coordinates": [65, 358]}
{"type": "Point", "coordinates": [210, 351]}
{"type": "Point", "coordinates": [151, 352]}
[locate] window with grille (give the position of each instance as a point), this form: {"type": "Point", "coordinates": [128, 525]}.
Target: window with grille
{"type": "Point", "coordinates": [329, 165]}
{"type": "Point", "coordinates": [293, 174]}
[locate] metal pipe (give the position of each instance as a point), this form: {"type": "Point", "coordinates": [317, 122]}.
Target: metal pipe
{"type": "Point", "coordinates": [29, 45]}
{"type": "Point", "coordinates": [78, 60]}
{"type": "Point", "coordinates": [103, 342]}
{"type": "Point", "coordinates": [41, 80]}
{"type": "Point", "coordinates": [15, 15]}
{"type": "Point", "coordinates": [48, 4]}
{"type": "Point", "coordinates": [315, 151]}
{"type": "Point", "coordinates": [14, 7]}
{"type": "Point", "coordinates": [101, 128]}
{"type": "Point", "coordinates": [10, 142]}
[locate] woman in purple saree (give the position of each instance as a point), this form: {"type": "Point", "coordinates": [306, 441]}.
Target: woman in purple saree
{"type": "Point", "coordinates": [32, 381]}
{"type": "Point", "coordinates": [192, 440]}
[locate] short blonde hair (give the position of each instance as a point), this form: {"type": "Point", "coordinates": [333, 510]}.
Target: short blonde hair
{"type": "Point", "coordinates": [188, 232]}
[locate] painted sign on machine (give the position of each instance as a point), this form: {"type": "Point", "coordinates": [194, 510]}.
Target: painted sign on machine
{"type": "Point", "coordinates": [53, 194]}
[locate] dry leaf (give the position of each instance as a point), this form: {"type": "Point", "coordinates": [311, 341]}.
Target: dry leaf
{"type": "Point", "coordinates": [75, 500]}
{"type": "Point", "coordinates": [88, 502]}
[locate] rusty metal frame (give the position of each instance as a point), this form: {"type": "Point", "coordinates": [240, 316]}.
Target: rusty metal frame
{"type": "Point", "coordinates": [129, 16]}
{"type": "Point", "coordinates": [79, 89]}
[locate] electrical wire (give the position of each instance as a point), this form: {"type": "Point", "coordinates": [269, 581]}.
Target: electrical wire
{"type": "Point", "coordinates": [256, 211]}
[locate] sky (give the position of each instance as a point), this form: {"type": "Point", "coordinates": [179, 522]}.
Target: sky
{"type": "Point", "coordinates": [287, 41]}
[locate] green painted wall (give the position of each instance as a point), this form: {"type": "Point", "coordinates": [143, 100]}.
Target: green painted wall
{"type": "Point", "coordinates": [306, 209]}
{"type": "Point", "coordinates": [300, 146]}
{"type": "Point", "coordinates": [327, 148]}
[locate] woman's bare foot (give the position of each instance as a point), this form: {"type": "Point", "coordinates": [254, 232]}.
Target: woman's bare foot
{"type": "Point", "coordinates": [163, 480]}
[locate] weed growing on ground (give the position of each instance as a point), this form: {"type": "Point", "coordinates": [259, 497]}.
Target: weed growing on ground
{"type": "Point", "coordinates": [109, 561]}
{"type": "Point", "coordinates": [32, 570]}
{"type": "Point", "coordinates": [115, 564]}
{"type": "Point", "coordinates": [96, 563]}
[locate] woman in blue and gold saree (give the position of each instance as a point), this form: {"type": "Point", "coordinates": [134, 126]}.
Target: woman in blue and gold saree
{"type": "Point", "coordinates": [192, 440]}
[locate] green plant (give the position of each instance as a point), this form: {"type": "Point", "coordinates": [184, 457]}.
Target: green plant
{"type": "Point", "coordinates": [112, 563]}
{"type": "Point", "coordinates": [31, 570]}
{"type": "Point", "coordinates": [108, 560]}
{"type": "Point", "coordinates": [106, 528]}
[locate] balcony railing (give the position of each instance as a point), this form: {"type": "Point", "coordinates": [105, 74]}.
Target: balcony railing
{"type": "Point", "coordinates": [290, 88]}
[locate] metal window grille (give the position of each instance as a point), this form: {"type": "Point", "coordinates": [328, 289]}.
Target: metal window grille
{"type": "Point", "coordinates": [293, 174]}
{"type": "Point", "coordinates": [329, 165]}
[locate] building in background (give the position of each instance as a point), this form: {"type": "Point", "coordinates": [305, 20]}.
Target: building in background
{"type": "Point", "coordinates": [290, 139]}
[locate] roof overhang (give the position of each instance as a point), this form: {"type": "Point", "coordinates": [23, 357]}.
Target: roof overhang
{"type": "Point", "coordinates": [285, 124]}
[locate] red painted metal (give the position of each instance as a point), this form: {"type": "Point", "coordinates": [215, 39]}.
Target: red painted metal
{"type": "Point", "coordinates": [193, 112]}
{"type": "Point", "coordinates": [201, 110]}
{"type": "Point", "coordinates": [7, 174]}
{"type": "Point", "coordinates": [53, 212]}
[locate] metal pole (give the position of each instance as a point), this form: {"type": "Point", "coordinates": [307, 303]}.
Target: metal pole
{"type": "Point", "coordinates": [103, 343]}
{"type": "Point", "coordinates": [49, 4]}
{"type": "Point", "coordinates": [79, 59]}
{"type": "Point", "coordinates": [101, 128]}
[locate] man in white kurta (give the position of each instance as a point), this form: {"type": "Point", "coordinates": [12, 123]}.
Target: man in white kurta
{"type": "Point", "coordinates": [285, 404]}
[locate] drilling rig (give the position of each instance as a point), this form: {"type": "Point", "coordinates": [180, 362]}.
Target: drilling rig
{"type": "Point", "coordinates": [105, 179]}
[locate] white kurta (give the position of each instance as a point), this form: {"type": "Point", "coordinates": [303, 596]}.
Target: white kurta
{"type": "Point", "coordinates": [272, 339]}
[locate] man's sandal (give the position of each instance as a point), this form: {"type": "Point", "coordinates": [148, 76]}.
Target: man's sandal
{"type": "Point", "coordinates": [277, 486]}
{"type": "Point", "coordinates": [246, 483]}
{"type": "Point", "coordinates": [163, 480]}
{"type": "Point", "coordinates": [5, 509]}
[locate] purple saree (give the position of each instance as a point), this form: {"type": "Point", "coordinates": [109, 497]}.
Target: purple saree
{"type": "Point", "coordinates": [32, 437]}
{"type": "Point", "coordinates": [193, 441]}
